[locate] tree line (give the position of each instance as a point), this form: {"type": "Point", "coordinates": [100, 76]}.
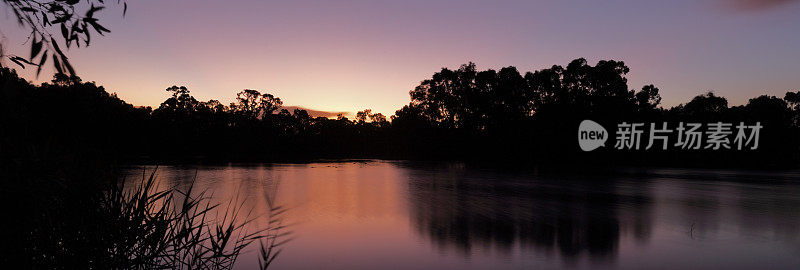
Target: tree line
{"type": "Point", "coordinates": [466, 113]}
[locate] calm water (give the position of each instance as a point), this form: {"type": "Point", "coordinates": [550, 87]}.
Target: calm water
{"type": "Point", "coordinates": [402, 215]}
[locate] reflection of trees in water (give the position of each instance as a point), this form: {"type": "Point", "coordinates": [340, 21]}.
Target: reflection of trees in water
{"type": "Point", "coordinates": [771, 210]}
{"type": "Point", "coordinates": [572, 217]}
{"type": "Point", "coordinates": [726, 205]}
{"type": "Point", "coordinates": [720, 205]}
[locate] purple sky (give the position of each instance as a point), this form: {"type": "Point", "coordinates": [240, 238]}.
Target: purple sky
{"type": "Point", "coordinates": [353, 55]}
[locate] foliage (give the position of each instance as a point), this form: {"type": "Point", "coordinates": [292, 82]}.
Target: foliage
{"type": "Point", "coordinates": [74, 19]}
{"type": "Point", "coordinates": [176, 230]}
{"type": "Point", "coordinates": [482, 100]}
{"type": "Point", "coordinates": [456, 114]}
{"type": "Point", "coordinates": [251, 104]}
{"type": "Point", "coordinates": [66, 221]}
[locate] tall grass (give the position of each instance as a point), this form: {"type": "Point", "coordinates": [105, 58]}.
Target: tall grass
{"type": "Point", "coordinates": [74, 221]}
{"type": "Point", "coordinates": [173, 229]}
{"type": "Point", "coordinates": [275, 234]}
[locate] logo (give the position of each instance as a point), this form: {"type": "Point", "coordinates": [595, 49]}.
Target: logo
{"type": "Point", "coordinates": [666, 136]}
{"type": "Point", "coordinates": [591, 135]}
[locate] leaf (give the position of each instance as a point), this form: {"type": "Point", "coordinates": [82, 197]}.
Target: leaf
{"type": "Point", "coordinates": [68, 66]}
{"type": "Point", "coordinates": [22, 60]}
{"type": "Point", "coordinates": [64, 31]}
{"type": "Point", "coordinates": [36, 47]}
{"type": "Point", "coordinates": [45, 20]}
{"type": "Point", "coordinates": [41, 64]}
{"type": "Point", "coordinates": [75, 28]}
{"type": "Point", "coordinates": [57, 64]}
{"type": "Point", "coordinates": [55, 7]}
{"type": "Point", "coordinates": [18, 63]}
{"type": "Point", "coordinates": [55, 46]}
{"type": "Point", "coordinates": [62, 19]}
{"type": "Point", "coordinates": [88, 38]}
{"type": "Point", "coordinates": [99, 28]}
{"type": "Point", "coordinates": [28, 9]}
{"type": "Point", "coordinates": [92, 10]}
{"type": "Point", "coordinates": [43, 59]}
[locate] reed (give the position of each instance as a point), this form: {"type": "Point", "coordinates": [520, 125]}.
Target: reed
{"type": "Point", "coordinates": [62, 224]}
{"type": "Point", "coordinates": [173, 229]}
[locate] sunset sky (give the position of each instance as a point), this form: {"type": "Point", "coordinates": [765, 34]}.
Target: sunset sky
{"type": "Point", "coordinates": [353, 55]}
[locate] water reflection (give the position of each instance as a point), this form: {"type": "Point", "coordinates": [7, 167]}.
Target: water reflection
{"type": "Point", "coordinates": [460, 209]}
{"type": "Point", "coordinates": [403, 215]}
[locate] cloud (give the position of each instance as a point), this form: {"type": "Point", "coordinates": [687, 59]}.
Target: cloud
{"type": "Point", "coordinates": [316, 113]}
{"type": "Point", "coordinates": [754, 5]}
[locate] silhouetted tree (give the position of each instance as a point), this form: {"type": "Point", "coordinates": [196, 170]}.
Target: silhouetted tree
{"type": "Point", "coordinates": [793, 99]}
{"type": "Point", "coordinates": [378, 118]}
{"type": "Point", "coordinates": [706, 104]}
{"type": "Point", "coordinates": [648, 98]}
{"type": "Point", "coordinates": [254, 105]}
{"type": "Point", "coordinates": [770, 109]}
{"type": "Point", "coordinates": [181, 102]}
{"type": "Point", "coordinates": [463, 114]}
{"type": "Point", "coordinates": [214, 106]}
{"type": "Point", "coordinates": [301, 115]}
{"type": "Point", "coordinates": [362, 116]}
{"type": "Point", "coordinates": [62, 79]}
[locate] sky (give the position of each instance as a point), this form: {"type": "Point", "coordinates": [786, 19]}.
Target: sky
{"type": "Point", "coordinates": [346, 56]}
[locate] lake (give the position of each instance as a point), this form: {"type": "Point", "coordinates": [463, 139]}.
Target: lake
{"type": "Point", "coordinates": [412, 215]}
